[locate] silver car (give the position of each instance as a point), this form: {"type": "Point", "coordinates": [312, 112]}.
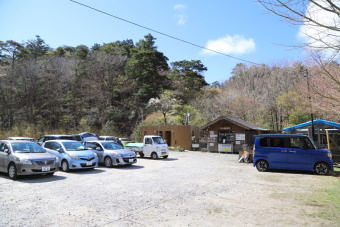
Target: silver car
{"type": "Point", "coordinates": [72, 154]}
{"type": "Point", "coordinates": [25, 158]}
{"type": "Point", "coordinates": [112, 154]}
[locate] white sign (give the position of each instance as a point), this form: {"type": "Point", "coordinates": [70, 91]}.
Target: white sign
{"type": "Point", "coordinates": [213, 136]}
{"type": "Point", "coordinates": [240, 136]}
{"type": "Point", "coordinates": [211, 144]}
{"type": "Point", "coordinates": [195, 145]}
{"type": "Point", "coordinates": [238, 142]}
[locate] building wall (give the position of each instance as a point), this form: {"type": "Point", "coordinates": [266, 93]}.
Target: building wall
{"type": "Point", "coordinates": [179, 135]}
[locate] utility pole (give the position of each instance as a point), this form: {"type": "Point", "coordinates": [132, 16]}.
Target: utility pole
{"type": "Point", "coordinates": [305, 74]}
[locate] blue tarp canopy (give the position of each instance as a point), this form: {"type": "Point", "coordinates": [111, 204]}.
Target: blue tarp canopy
{"type": "Point", "coordinates": [309, 123]}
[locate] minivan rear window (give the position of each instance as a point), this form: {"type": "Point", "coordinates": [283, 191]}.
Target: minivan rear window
{"type": "Point", "coordinates": [264, 142]}
{"type": "Point", "coordinates": [278, 142]}
{"type": "Point", "coordinates": [274, 142]}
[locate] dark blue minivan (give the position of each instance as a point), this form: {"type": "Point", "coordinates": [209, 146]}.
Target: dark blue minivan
{"type": "Point", "coordinates": [291, 152]}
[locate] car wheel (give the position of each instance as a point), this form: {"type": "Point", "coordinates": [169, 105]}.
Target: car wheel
{"type": "Point", "coordinates": [321, 168]}
{"type": "Point", "coordinates": [154, 155]}
{"type": "Point", "coordinates": [64, 166]}
{"type": "Point", "coordinates": [165, 157]}
{"type": "Point", "coordinates": [108, 162]}
{"type": "Point", "coordinates": [262, 166]}
{"type": "Point", "coordinates": [12, 172]}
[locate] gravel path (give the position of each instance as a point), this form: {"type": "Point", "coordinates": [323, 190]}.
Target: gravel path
{"type": "Point", "coordinates": [188, 189]}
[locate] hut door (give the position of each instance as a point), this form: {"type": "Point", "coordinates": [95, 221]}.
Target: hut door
{"type": "Point", "coordinates": [167, 137]}
{"type": "Point", "coordinates": [225, 137]}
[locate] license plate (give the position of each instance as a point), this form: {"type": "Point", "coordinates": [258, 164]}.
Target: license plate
{"type": "Point", "coordinates": [130, 160]}
{"type": "Point", "coordinates": [89, 163]}
{"type": "Point", "coordinates": [45, 168]}
{"type": "Point", "coordinates": [164, 154]}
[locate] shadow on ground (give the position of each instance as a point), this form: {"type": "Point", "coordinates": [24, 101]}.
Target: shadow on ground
{"type": "Point", "coordinates": [132, 167]}
{"type": "Point", "coordinates": [86, 171]}
{"type": "Point", "coordinates": [168, 159]}
{"type": "Point", "coordinates": [334, 173]}
{"type": "Point", "coordinates": [33, 179]}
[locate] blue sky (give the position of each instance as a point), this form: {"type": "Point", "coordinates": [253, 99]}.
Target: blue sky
{"type": "Point", "coordinates": [240, 28]}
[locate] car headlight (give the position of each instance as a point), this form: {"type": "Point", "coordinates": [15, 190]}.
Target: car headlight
{"type": "Point", "coordinates": [74, 157]}
{"type": "Point", "coordinates": [329, 155]}
{"type": "Point", "coordinates": [95, 155]}
{"type": "Point", "coordinates": [25, 162]}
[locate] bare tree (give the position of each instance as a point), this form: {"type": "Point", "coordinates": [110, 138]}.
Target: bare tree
{"type": "Point", "coordinates": [319, 20]}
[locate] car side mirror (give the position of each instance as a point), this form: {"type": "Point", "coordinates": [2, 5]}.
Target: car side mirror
{"type": "Point", "coordinates": [6, 151]}
{"type": "Point", "coordinates": [98, 149]}
{"type": "Point", "coordinates": [59, 150]}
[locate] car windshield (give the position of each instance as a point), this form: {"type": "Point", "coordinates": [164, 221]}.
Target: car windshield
{"type": "Point", "coordinates": [29, 147]}
{"type": "Point", "coordinates": [111, 146]}
{"type": "Point", "coordinates": [74, 146]}
{"type": "Point", "coordinates": [158, 140]}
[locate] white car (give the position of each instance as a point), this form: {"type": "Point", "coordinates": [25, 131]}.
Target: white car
{"type": "Point", "coordinates": [153, 146]}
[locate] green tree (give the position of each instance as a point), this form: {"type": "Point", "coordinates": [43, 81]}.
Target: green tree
{"type": "Point", "coordinates": [187, 78]}
{"type": "Point", "coordinates": [37, 47]}
{"type": "Point", "coordinates": [146, 69]}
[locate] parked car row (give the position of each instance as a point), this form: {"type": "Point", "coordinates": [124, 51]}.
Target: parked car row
{"type": "Point", "coordinates": [22, 156]}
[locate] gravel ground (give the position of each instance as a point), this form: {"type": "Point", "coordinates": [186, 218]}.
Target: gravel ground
{"type": "Point", "coordinates": [187, 189]}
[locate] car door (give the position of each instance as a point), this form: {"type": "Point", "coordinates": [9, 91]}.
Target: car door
{"type": "Point", "coordinates": [3, 156]}
{"type": "Point", "coordinates": [300, 154]}
{"type": "Point", "coordinates": [277, 152]}
{"type": "Point", "coordinates": [148, 145]}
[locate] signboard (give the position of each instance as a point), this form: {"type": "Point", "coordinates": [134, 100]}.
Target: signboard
{"type": "Point", "coordinates": [240, 136]}
{"type": "Point", "coordinates": [213, 136]}
{"type": "Point", "coordinates": [211, 144]}
{"type": "Point", "coordinates": [225, 148]}
{"type": "Point", "coordinates": [195, 145]}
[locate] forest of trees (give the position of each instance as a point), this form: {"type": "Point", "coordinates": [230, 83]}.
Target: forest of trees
{"type": "Point", "coordinates": [112, 88]}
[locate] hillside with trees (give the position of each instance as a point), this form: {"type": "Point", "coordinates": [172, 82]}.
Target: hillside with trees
{"type": "Point", "coordinates": [112, 88]}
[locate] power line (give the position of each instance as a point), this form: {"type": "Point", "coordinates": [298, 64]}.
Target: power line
{"type": "Point", "coordinates": [161, 33]}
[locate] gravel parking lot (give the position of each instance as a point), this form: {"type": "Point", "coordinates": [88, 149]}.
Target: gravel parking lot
{"type": "Point", "coordinates": [188, 189]}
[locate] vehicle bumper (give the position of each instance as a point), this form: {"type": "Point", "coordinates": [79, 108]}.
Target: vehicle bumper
{"type": "Point", "coordinates": [23, 169]}
{"type": "Point", "coordinates": [124, 161]}
{"type": "Point", "coordinates": [82, 164]}
{"type": "Point", "coordinates": [163, 154]}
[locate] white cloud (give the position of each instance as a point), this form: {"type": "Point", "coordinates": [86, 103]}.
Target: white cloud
{"type": "Point", "coordinates": [323, 37]}
{"type": "Point", "coordinates": [179, 7]}
{"type": "Point", "coordinates": [235, 44]}
{"type": "Point", "coordinates": [180, 14]}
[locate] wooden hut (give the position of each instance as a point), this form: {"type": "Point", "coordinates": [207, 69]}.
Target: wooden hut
{"type": "Point", "coordinates": [229, 134]}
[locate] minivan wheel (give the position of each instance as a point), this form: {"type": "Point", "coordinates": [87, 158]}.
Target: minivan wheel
{"type": "Point", "coordinates": [321, 168]}
{"type": "Point", "coordinates": [12, 172]}
{"type": "Point", "coordinates": [262, 166]}
{"type": "Point", "coordinates": [64, 166]}
{"type": "Point", "coordinates": [154, 155]}
{"type": "Point", "coordinates": [108, 162]}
